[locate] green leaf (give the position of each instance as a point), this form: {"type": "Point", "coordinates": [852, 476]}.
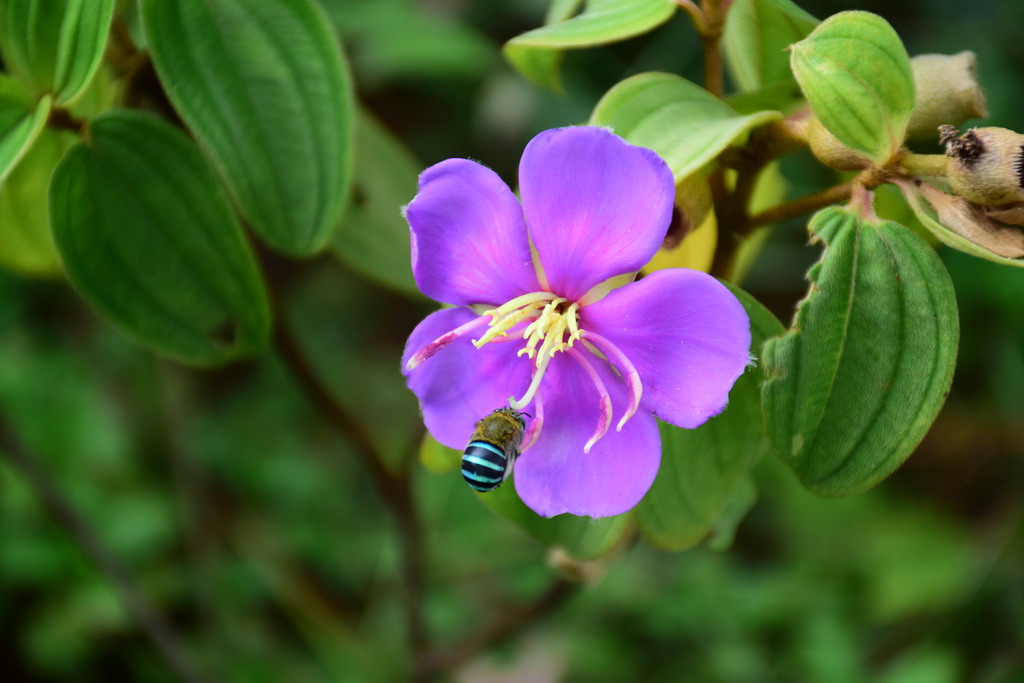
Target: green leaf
{"type": "Point", "coordinates": [858, 380]}
{"type": "Point", "coordinates": [757, 33]}
{"type": "Point", "coordinates": [26, 243]}
{"type": "Point", "coordinates": [55, 45]}
{"type": "Point", "coordinates": [264, 88]}
{"type": "Point", "coordinates": [536, 54]}
{"type": "Point", "coordinates": [703, 469]}
{"type": "Point", "coordinates": [149, 239]}
{"type": "Point", "coordinates": [21, 121]}
{"type": "Point", "coordinates": [929, 218]}
{"type": "Point", "coordinates": [372, 236]}
{"type": "Point", "coordinates": [681, 121]}
{"type": "Point", "coordinates": [856, 74]}
{"type": "Point", "coordinates": [582, 537]}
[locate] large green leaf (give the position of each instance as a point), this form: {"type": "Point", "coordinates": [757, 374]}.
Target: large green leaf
{"type": "Point", "coordinates": [55, 45]}
{"type": "Point", "coordinates": [858, 380]}
{"type": "Point", "coordinates": [149, 239]}
{"type": "Point", "coordinates": [264, 88]}
{"type": "Point", "coordinates": [372, 236]}
{"type": "Point", "coordinates": [537, 54]}
{"type": "Point", "coordinates": [681, 121]}
{"type": "Point", "coordinates": [26, 243]}
{"type": "Point", "coordinates": [856, 74]}
{"type": "Point", "coordinates": [757, 33]}
{"type": "Point", "coordinates": [21, 120]}
{"type": "Point", "coordinates": [704, 470]}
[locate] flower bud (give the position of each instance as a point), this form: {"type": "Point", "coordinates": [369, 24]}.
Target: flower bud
{"type": "Point", "coordinates": [986, 164]}
{"type": "Point", "coordinates": [829, 151]}
{"type": "Point", "coordinates": [947, 93]}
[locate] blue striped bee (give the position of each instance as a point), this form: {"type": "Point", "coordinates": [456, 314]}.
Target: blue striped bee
{"type": "Point", "coordinates": [493, 449]}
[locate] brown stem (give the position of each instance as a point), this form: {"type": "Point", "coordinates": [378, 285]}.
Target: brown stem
{"type": "Point", "coordinates": [158, 630]}
{"type": "Point", "coordinates": [710, 30]}
{"type": "Point", "coordinates": [394, 490]}
{"type": "Point", "coordinates": [62, 119]}
{"type": "Point", "coordinates": [507, 623]}
{"type": "Point", "coordinates": [803, 205]}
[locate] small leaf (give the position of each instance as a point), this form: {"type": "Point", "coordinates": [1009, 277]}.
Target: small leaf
{"type": "Point", "coordinates": [582, 537]}
{"type": "Point", "coordinates": [536, 53]}
{"type": "Point", "coordinates": [957, 213]}
{"type": "Point", "coordinates": [702, 469]}
{"type": "Point", "coordinates": [83, 38]}
{"type": "Point", "coordinates": [20, 123]}
{"type": "Point", "coordinates": [685, 124]}
{"type": "Point", "coordinates": [856, 74]}
{"type": "Point", "coordinates": [757, 33]}
{"type": "Point", "coordinates": [149, 239]}
{"type": "Point", "coordinates": [26, 243]}
{"type": "Point", "coordinates": [55, 45]}
{"type": "Point", "coordinates": [264, 88]}
{"type": "Point", "coordinates": [372, 236]}
{"type": "Point", "coordinates": [858, 380]}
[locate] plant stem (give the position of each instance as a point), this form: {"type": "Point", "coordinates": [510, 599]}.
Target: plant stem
{"type": "Point", "coordinates": [506, 623]}
{"type": "Point", "coordinates": [801, 206]}
{"type": "Point", "coordinates": [710, 29]}
{"type": "Point", "coordinates": [924, 164]}
{"type": "Point", "coordinates": [158, 630]}
{"type": "Point", "coordinates": [394, 490]}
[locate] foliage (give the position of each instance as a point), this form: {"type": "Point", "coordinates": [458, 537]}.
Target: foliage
{"type": "Point", "coordinates": [210, 467]}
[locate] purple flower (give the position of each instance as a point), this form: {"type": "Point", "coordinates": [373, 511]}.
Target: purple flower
{"type": "Point", "coordinates": [562, 332]}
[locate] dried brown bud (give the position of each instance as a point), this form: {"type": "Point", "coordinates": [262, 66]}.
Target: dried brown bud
{"type": "Point", "coordinates": [987, 164]}
{"type": "Point", "coordinates": [947, 93]}
{"type": "Point", "coordinates": [829, 151]}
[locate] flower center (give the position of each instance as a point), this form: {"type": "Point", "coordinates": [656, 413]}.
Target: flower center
{"type": "Point", "coordinates": [554, 326]}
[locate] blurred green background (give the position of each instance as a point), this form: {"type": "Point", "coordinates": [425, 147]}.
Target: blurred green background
{"type": "Point", "coordinates": [249, 524]}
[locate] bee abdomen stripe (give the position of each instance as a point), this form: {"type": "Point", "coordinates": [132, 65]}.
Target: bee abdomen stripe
{"type": "Point", "coordinates": [488, 446]}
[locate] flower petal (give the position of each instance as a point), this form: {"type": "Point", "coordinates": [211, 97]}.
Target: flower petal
{"type": "Point", "coordinates": [596, 205]}
{"type": "Point", "coordinates": [469, 242]}
{"type": "Point", "coordinates": [687, 335]}
{"type": "Point", "coordinates": [461, 384]}
{"type": "Point", "coordinates": [556, 476]}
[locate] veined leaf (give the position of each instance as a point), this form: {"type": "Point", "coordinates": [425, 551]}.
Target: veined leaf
{"type": "Point", "coordinates": [265, 89]}
{"type": "Point", "coordinates": [26, 242]}
{"type": "Point", "coordinates": [685, 124]}
{"type": "Point", "coordinates": [149, 239]}
{"type": "Point", "coordinates": [856, 74]}
{"type": "Point", "coordinates": [757, 33]}
{"type": "Point", "coordinates": [21, 120]}
{"type": "Point", "coordinates": [55, 45]}
{"type": "Point", "coordinates": [537, 54]}
{"type": "Point", "coordinates": [703, 469]}
{"type": "Point", "coordinates": [858, 380]}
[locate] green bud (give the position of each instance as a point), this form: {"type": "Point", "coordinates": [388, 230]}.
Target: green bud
{"type": "Point", "coordinates": [947, 93]}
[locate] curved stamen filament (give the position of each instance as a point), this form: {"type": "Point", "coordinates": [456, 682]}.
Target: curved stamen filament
{"type": "Point", "coordinates": [443, 341]}
{"type": "Point", "coordinates": [538, 374]}
{"type": "Point", "coordinates": [604, 402]}
{"type": "Point", "coordinates": [626, 369]}
{"type": "Point", "coordinates": [533, 431]}
{"type": "Point", "coordinates": [499, 326]}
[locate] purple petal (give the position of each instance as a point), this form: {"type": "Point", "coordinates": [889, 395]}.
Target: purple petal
{"type": "Point", "coordinates": [469, 242]}
{"type": "Point", "coordinates": [461, 384]}
{"type": "Point", "coordinates": [556, 476]}
{"type": "Point", "coordinates": [687, 335]}
{"type": "Point", "coordinates": [596, 205]}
